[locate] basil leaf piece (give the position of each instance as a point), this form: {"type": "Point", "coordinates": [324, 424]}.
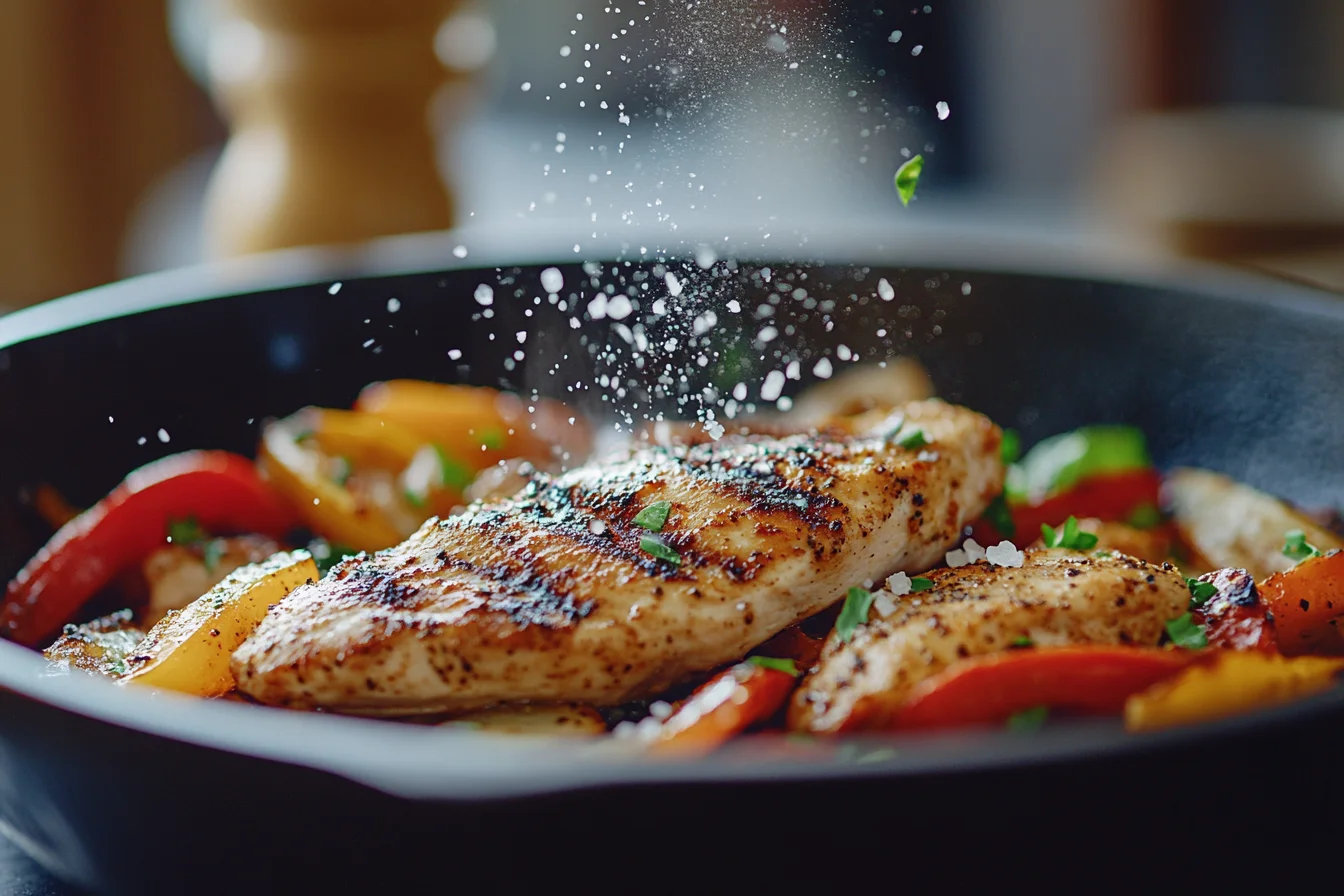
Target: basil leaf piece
{"type": "Point", "coordinates": [907, 178]}
{"type": "Point", "coordinates": [1068, 536]}
{"type": "Point", "coordinates": [656, 548]}
{"type": "Point", "coordinates": [919, 583]}
{"type": "Point", "coordinates": [1296, 547]}
{"type": "Point", "coordinates": [1200, 592]}
{"type": "Point", "coordinates": [915, 438]}
{"type": "Point", "coordinates": [853, 614]}
{"type": "Point", "coordinates": [654, 517]}
{"type": "Point", "coordinates": [787, 666]}
{"type": "Point", "coordinates": [1185, 632]}
{"type": "Point", "coordinates": [1028, 719]}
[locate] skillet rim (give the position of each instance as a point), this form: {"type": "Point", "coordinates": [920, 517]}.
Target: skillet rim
{"type": "Point", "coordinates": [442, 764]}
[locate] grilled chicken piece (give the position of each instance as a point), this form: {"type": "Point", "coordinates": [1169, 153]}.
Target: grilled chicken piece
{"type": "Point", "coordinates": [863, 388]}
{"type": "Point", "coordinates": [1055, 598]}
{"type": "Point", "coordinates": [548, 596]}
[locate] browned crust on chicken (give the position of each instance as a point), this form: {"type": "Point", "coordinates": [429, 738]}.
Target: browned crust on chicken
{"type": "Point", "coordinates": [1055, 598]}
{"type": "Point", "coordinates": [548, 595]}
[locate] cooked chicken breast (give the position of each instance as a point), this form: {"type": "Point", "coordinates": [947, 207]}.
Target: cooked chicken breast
{"type": "Point", "coordinates": [549, 595]}
{"type": "Point", "coordinates": [1055, 598]}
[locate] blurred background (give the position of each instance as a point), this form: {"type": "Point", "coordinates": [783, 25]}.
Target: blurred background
{"type": "Point", "coordinates": [1206, 128]}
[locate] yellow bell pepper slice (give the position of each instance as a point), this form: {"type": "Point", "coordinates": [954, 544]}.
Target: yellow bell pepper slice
{"type": "Point", "coordinates": [325, 505]}
{"type": "Point", "coordinates": [189, 650]}
{"type": "Point", "coordinates": [1233, 682]}
{"type": "Point", "coordinates": [363, 439]}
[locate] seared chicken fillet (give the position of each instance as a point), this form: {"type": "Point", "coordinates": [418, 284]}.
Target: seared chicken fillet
{"type": "Point", "coordinates": [1055, 598]}
{"type": "Point", "coordinates": [549, 596]}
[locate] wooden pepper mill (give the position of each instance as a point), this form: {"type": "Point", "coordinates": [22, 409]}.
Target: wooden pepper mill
{"type": "Point", "coordinates": [329, 108]}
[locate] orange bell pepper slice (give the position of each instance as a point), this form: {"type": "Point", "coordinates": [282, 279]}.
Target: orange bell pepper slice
{"type": "Point", "coordinates": [1088, 679]}
{"type": "Point", "coordinates": [725, 706]}
{"type": "Point", "coordinates": [1307, 603]}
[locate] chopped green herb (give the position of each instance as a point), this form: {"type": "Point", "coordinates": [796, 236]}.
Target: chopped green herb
{"type": "Point", "coordinates": [654, 547]}
{"type": "Point", "coordinates": [341, 470]}
{"type": "Point", "coordinates": [185, 532]}
{"type": "Point", "coordinates": [326, 555]}
{"type": "Point", "coordinates": [1000, 517]}
{"type": "Point", "coordinates": [1068, 536]}
{"type": "Point", "coordinates": [491, 439]}
{"type": "Point", "coordinates": [214, 549]}
{"type": "Point", "coordinates": [907, 178]}
{"type": "Point", "coordinates": [116, 666]}
{"type": "Point", "coordinates": [654, 517]}
{"type": "Point", "coordinates": [1010, 449]}
{"type": "Point", "coordinates": [414, 498]}
{"type": "Point", "coordinates": [915, 438]}
{"type": "Point", "coordinates": [919, 583]}
{"type": "Point", "coordinates": [1185, 632]}
{"type": "Point", "coordinates": [453, 473]}
{"type": "Point", "coordinates": [1296, 546]}
{"type": "Point", "coordinates": [1200, 592]}
{"type": "Point", "coordinates": [1029, 719]}
{"type": "Point", "coordinates": [1145, 516]}
{"type": "Point", "coordinates": [1105, 555]}
{"type": "Point", "coordinates": [787, 666]}
{"type": "Point", "coordinates": [1023, 641]}
{"type": "Point", "coordinates": [853, 614]}
{"type": "Point", "coordinates": [1055, 464]}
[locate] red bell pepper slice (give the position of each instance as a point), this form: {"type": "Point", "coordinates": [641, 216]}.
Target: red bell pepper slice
{"type": "Point", "coordinates": [1111, 497]}
{"type": "Point", "coordinates": [1090, 679]}
{"type": "Point", "coordinates": [1307, 603]}
{"type": "Point", "coordinates": [222, 491]}
{"type": "Point", "coordinates": [723, 707]}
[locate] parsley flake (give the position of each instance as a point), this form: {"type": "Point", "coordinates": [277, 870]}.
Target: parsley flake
{"type": "Point", "coordinates": [854, 613]}
{"type": "Point", "coordinates": [491, 439]}
{"type": "Point", "coordinates": [1185, 632]}
{"type": "Point", "coordinates": [907, 178]}
{"type": "Point", "coordinates": [1296, 547]}
{"type": "Point", "coordinates": [1200, 592]}
{"type": "Point", "coordinates": [327, 554]}
{"type": "Point", "coordinates": [116, 667]}
{"type": "Point", "coordinates": [1068, 536]}
{"type": "Point", "coordinates": [915, 438]}
{"type": "Point", "coordinates": [1105, 555]}
{"type": "Point", "coordinates": [654, 517]}
{"type": "Point", "coordinates": [452, 472]}
{"type": "Point", "coordinates": [656, 548]}
{"type": "Point", "coordinates": [1145, 516]}
{"type": "Point", "coordinates": [1028, 719]}
{"type": "Point", "coordinates": [1023, 641]}
{"type": "Point", "coordinates": [1010, 448]}
{"type": "Point", "coordinates": [919, 583]}
{"type": "Point", "coordinates": [185, 532]}
{"type": "Point", "coordinates": [787, 666]}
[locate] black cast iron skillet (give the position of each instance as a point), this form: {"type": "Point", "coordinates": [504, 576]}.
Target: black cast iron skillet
{"type": "Point", "coordinates": [128, 791]}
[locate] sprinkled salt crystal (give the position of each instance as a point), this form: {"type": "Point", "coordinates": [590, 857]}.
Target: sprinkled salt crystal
{"type": "Point", "coordinates": [843, 353]}
{"type": "Point", "coordinates": [526, 86]}
{"type": "Point", "coordinates": [459, 251]}
{"type": "Point", "coordinates": [822, 369]}
{"type": "Point", "coordinates": [927, 457]}
{"type": "Point", "coordinates": [141, 440]}
{"type": "Point", "coordinates": [455, 353]}
{"type": "Point", "coordinates": [917, 49]}
{"type": "Point", "coordinates": [955, 558]}
{"type": "Point", "coordinates": [485, 294]}
{"type": "Point", "coordinates": [704, 323]}
{"type": "Point", "coordinates": [660, 709]}
{"type": "Point", "coordinates": [785, 403]}
{"type": "Point", "coordinates": [943, 110]}
{"type": "Point", "coordinates": [163, 436]}
{"type": "Point", "coordinates": [767, 334]}
{"type": "Point", "coordinates": [333, 289]}
{"type": "Point", "coordinates": [552, 280]}
{"type": "Point", "coordinates": [1005, 553]}
{"type": "Point", "coordinates": [734, 306]}
{"type": "Point", "coordinates": [793, 371]}
{"type": "Point", "coordinates": [974, 552]}
{"type": "Point", "coordinates": [393, 305]}
{"type": "Point", "coordinates": [715, 430]}
{"type": "Point", "coordinates": [619, 307]}
{"type": "Point", "coordinates": [965, 289]}
{"type": "Point", "coordinates": [773, 385]}
{"type": "Point", "coordinates": [673, 284]}
{"type": "Point", "coordinates": [884, 604]}
{"type": "Point", "coordinates": [597, 308]}
{"type": "Point", "coordinates": [885, 291]}
{"type": "Point", "coordinates": [705, 257]}
{"type": "Point", "coordinates": [894, 37]}
{"type": "Point", "coordinates": [899, 584]}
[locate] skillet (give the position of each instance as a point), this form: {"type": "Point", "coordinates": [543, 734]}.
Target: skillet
{"type": "Point", "coordinates": [123, 791]}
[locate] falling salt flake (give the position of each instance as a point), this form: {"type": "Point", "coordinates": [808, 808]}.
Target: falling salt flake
{"type": "Point", "coordinates": [521, 336]}
{"type": "Point", "coordinates": [552, 280]}
{"type": "Point", "coordinates": [485, 294]}
{"type": "Point", "coordinates": [884, 604]}
{"type": "Point", "coordinates": [777, 43]}
{"type": "Point", "coordinates": [141, 440]}
{"type": "Point", "coordinates": [619, 308]}
{"type": "Point", "coordinates": [163, 436]}
{"type": "Point", "coordinates": [968, 553]}
{"type": "Point", "coordinates": [527, 85]}
{"type": "Point", "coordinates": [393, 306]}
{"type": "Point", "coordinates": [785, 403]}
{"type": "Point", "coordinates": [455, 354]}
{"type": "Point", "coordinates": [660, 709]}
{"type": "Point", "coordinates": [773, 385]}
{"type": "Point", "coordinates": [735, 306]}
{"type": "Point", "coordinates": [917, 49]}
{"type": "Point", "coordinates": [943, 110]}
{"type": "Point", "coordinates": [705, 257]}
{"type": "Point", "coordinates": [367, 343]}
{"type": "Point", "coordinates": [1005, 553]}
{"type": "Point", "coordinates": [740, 391]}
{"type": "Point", "coordinates": [673, 284]}
{"type": "Point", "coordinates": [793, 371]}
{"type": "Point", "coordinates": [110, 420]}
{"type": "Point", "coordinates": [894, 37]}
{"type": "Point", "coordinates": [459, 251]}
{"type": "Point", "coordinates": [597, 527]}
{"type": "Point", "coordinates": [965, 289]}
{"type": "Point", "coordinates": [927, 457]}
{"type": "Point", "coordinates": [704, 323]}
{"type": "Point", "coordinates": [767, 334]}
{"type": "Point", "coordinates": [333, 289]}
{"type": "Point", "coordinates": [597, 308]}
{"type": "Point", "coordinates": [714, 430]}
{"type": "Point", "coordinates": [899, 584]}
{"type": "Point", "coordinates": [822, 369]}
{"type": "Point", "coordinates": [565, 51]}
{"type": "Point", "coordinates": [885, 291]}
{"type": "Point", "coordinates": [843, 353]}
